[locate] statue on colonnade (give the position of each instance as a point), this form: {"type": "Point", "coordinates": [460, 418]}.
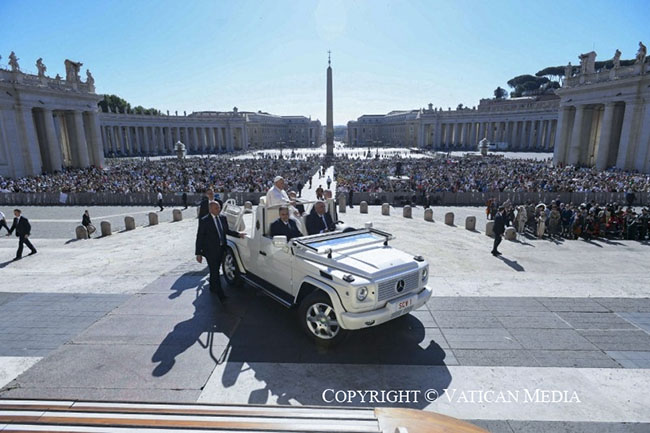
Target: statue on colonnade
{"type": "Point", "coordinates": [72, 71]}
{"type": "Point", "coordinates": [13, 62]}
{"type": "Point", "coordinates": [588, 63]}
{"type": "Point", "coordinates": [41, 67]}
{"type": "Point", "coordinates": [640, 55]}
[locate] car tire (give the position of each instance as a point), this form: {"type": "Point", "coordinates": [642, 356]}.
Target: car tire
{"type": "Point", "coordinates": [230, 269]}
{"type": "Point", "coordinates": [318, 319]}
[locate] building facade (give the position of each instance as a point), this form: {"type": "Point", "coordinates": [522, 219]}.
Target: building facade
{"type": "Point", "coordinates": [204, 132]}
{"type": "Point", "coordinates": [604, 116]}
{"type": "Point", "coordinates": [527, 123]}
{"type": "Point", "coordinates": [46, 123]}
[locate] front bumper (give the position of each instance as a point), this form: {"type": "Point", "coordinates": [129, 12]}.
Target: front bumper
{"type": "Point", "coordinates": [390, 311]}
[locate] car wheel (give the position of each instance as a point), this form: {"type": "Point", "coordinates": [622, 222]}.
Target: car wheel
{"type": "Point", "coordinates": [319, 320]}
{"type": "Point", "coordinates": [230, 269]}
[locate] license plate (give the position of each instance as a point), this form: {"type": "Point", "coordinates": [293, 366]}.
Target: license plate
{"type": "Point", "coordinates": [404, 304]}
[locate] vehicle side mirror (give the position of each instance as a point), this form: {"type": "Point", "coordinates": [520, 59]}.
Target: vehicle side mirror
{"type": "Point", "coordinates": [279, 241]}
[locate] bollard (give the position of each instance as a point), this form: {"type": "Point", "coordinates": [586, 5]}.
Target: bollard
{"type": "Point", "coordinates": [489, 229]}
{"type": "Point", "coordinates": [385, 209]}
{"type": "Point", "coordinates": [470, 223]}
{"type": "Point", "coordinates": [428, 214]}
{"type": "Point", "coordinates": [511, 233]}
{"type": "Point", "coordinates": [81, 232]}
{"type": "Point", "coordinates": [248, 207]}
{"type": "Point", "coordinates": [342, 203]}
{"type": "Point", "coordinates": [106, 228]}
{"type": "Point", "coordinates": [449, 218]}
{"type": "Point", "coordinates": [406, 212]}
{"type": "Point", "coordinates": [363, 207]}
{"type": "Point", "coordinates": [129, 223]}
{"type": "Point", "coordinates": [177, 215]}
{"type": "Point", "coordinates": [198, 211]}
{"type": "Point", "coordinates": [153, 218]}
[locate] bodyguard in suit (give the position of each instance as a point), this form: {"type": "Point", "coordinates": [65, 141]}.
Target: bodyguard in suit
{"type": "Point", "coordinates": [285, 226]}
{"type": "Point", "coordinates": [211, 243]}
{"type": "Point", "coordinates": [319, 221]}
{"type": "Point", "coordinates": [204, 207]}
{"type": "Point", "coordinates": [23, 229]}
{"type": "Point", "coordinates": [499, 229]}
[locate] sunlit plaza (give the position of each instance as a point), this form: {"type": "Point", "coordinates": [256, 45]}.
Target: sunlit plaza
{"type": "Point", "coordinates": [270, 217]}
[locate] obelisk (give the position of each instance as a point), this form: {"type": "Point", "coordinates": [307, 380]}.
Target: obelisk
{"type": "Point", "coordinates": [329, 128]}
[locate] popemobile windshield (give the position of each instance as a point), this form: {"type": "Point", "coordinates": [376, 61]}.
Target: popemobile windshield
{"type": "Point", "coordinates": [339, 281]}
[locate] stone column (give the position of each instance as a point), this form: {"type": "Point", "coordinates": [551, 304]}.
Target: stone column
{"type": "Point", "coordinates": [499, 137]}
{"type": "Point", "coordinates": [561, 136]}
{"type": "Point", "coordinates": [79, 143]}
{"type": "Point", "coordinates": [28, 141]}
{"type": "Point", "coordinates": [481, 131]}
{"type": "Point", "coordinates": [531, 134]}
{"type": "Point", "coordinates": [53, 145]}
{"type": "Point", "coordinates": [169, 141]}
{"type": "Point", "coordinates": [244, 137]}
{"type": "Point", "coordinates": [641, 160]}
{"type": "Point", "coordinates": [147, 139]}
{"type": "Point", "coordinates": [14, 150]}
{"type": "Point", "coordinates": [576, 136]}
{"type": "Point", "coordinates": [94, 140]}
{"type": "Point", "coordinates": [195, 139]}
{"type": "Point", "coordinates": [229, 141]}
{"type": "Point", "coordinates": [604, 143]}
{"type": "Point", "coordinates": [625, 146]}
{"type": "Point", "coordinates": [490, 131]}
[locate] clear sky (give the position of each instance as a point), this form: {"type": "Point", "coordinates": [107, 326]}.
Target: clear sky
{"type": "Point", "coordinates": [272, 55]}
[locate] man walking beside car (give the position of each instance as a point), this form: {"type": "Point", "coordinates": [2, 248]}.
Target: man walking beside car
{"type": "Point", "coordinates": [23, 230]}
{"type": "Point", "coordinates": [211, 243]}
{"type": "Point", "coordinates": [499, 229]}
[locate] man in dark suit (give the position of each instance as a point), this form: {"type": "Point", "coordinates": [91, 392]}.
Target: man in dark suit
{"type": "Point", "coordinates": [285, 226]}
{"type": "Point", "coordinates": [319, 221]}
{"type": "Point", "coordinates": [23, 230]}
{"type": "Point", "coordinates": [499, 229]}
{"type": "Point", "coordinates": [204, 209]}
{"type": "Point", "coordinates": [211, 243]}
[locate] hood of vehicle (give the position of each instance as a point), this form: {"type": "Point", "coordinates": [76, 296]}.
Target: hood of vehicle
{"type": "Point", "coordinates": [372, 262]}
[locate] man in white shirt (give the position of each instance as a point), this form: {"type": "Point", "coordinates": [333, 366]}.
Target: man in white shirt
{"type": "Point", "coordinates": [277, 196]}
{"type": "Point", "coordinates": [3, 222]}
{"type": "Point", "coordinates": [160, 199]}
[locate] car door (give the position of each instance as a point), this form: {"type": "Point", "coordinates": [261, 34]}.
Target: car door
{"type": "Point", "coordinates": [275, 265]}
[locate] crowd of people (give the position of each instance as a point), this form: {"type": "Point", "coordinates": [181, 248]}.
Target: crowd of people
{"type": "Point", "coordinates": [170, 175]}
{"type": "Point", "coordinates": [587, 221]}
{"type": "Point", "coordinates": [479, 174]}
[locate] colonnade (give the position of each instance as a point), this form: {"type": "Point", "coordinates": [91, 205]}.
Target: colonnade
{"type": "Point", "coordinates": [45, 139]}
{"type": "Point", "coordinates": [613, 134]}
{"type": "Point", "coordinates": [160, 140]}
{"type": "Point", "coordinates": [518, 134]}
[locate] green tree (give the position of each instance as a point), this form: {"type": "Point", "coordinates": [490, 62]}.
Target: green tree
{"type": "Point", "coordinates": [500, 93]}
{"type": "Point", "coordinates": [120, 105]}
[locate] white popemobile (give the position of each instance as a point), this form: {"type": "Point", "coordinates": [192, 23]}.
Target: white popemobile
{"type": "Point", "coordinates": [342, 280]}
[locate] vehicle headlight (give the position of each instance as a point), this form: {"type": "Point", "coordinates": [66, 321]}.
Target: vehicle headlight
{"type": "Point", "coordinates": [425, 274]}
{"type": "Point", "coordinates": [362, 293]}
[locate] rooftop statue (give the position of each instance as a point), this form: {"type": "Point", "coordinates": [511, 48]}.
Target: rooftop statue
{"type": "Point", "coordinates": [640, 55]}
{"type": "Point", "coordinates": [13, 62]}
{"type": "Point", "coordinates": [568, 71]}
{"type": "Point", "coordinates": [617, 59]}
{"type": "Point", "coordinates": [89, 78]}
{"type": "Point", "coordinates": [588, 63]}
{"type": "Point", "coordinates": [41, 67]}
{"type": "Point", "coordinates": [72, 71]}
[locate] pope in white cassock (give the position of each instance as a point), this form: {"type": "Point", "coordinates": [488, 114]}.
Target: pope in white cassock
{"type": "Point", "coordinates": [277, 196]}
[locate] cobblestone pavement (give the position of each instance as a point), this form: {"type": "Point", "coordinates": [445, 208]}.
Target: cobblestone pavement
{"type": "Point", "coordinates": [143, 326]}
